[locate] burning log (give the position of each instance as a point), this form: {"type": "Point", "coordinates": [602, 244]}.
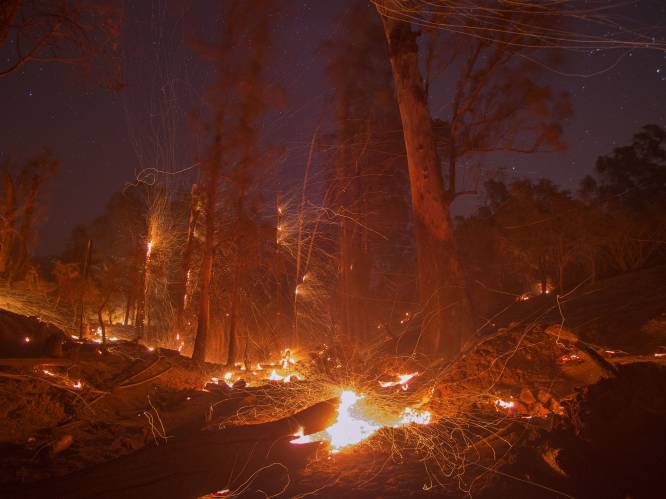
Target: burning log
{"type": "Point", "coordinates": [191, 465]}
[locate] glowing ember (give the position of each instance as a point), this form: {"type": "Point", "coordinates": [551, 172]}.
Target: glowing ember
{"type": "Point", "coordinates": [27, 339]}
{"type": "Point", "coordinates": [402, 380]}
{"type": "Point", "coordinates": [351, 427]}
{"type": "Point", "coordinates": [221, 493]}
{"type": "Point", "coordinates": [570, 358]}
{"type": "Point", "coordinates": [78, 385]}
{"type": "Point", "coordinates": [277, 377]}
{"type": "Point", "coordinates": [505, 404]}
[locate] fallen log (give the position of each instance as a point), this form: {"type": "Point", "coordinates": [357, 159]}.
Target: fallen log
{"type": "Point", "coordinates": [192, 465]}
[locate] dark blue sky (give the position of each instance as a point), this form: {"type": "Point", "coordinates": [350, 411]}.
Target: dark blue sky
{"type": "Point", "coordinates": [100, 137]}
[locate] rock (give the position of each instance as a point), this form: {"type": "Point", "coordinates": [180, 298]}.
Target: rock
{"type": "Point", "coordinates": [527, 397]}
{"type": "Point", "coordinates": [544, 396]}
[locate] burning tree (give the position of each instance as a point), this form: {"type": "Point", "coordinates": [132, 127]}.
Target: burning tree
{"type": "Point", "coordinates": [20, 205]}
{"type": "Point", "coordinates": [238, 100]}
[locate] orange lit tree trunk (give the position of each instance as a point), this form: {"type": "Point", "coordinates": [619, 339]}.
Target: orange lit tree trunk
{"type": "Point", "coordinates": [23, 250]}
{"type": "Point", "coordinates": [212, 179]}
{"type": "Point", "coordinates": [8, 222]}
{"type": "Point", "coordinates": [183, 291]}
{"type": "Point", "coordinates": [447, 319]}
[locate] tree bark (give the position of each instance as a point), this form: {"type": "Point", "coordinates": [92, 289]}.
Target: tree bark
{"type": "Point", "coordinates": [446, 312]}
{"type": "Point", "coordinates": [142, 290]}
{"type": "Point", "coordinates": [213, 172]}
{"type": "Point", "coordinates": [7, 234]}
{"type": "Point", "coordinates": [181, 302]}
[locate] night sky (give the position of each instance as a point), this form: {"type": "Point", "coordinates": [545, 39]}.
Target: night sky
{"type": "Point", "coordinates": [94, 132]}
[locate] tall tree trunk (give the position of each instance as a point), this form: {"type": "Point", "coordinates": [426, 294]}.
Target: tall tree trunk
{"type": "Point", "coordinates": [84, 275]}
{"type": "Point", "coordinates": [22, 253]}
{"type": "Point", "coordinates": [295, 334]}
{"type": "Point", "coordinates": [128, 307]}
{"type": "Point", "coordinates": [233, 316]}
{"type": "Point", "coordinates": [142, 291]}
{"type": "Point", "coordinates": [7, 234]}
{"type": "Point", "coordinates": [212, 174]}
{"type": "Point", "coordinates": [183, 296]}
{"type": "Point", "coordinates": [447, 319]}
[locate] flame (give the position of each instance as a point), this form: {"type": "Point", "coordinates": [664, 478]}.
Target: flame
{"type": "Point", "coordinates": [286, 359]}
{"type": "Point", "coordinates": [505, 404]}
{"type": "Point", "coordinates": [277, 377]}
{"type": "Point", "coordinates": [410, 415]}
{"type": "Point", "coordinates": [351, 427]}
{"type": "Point", "coordinates": [402, 380]}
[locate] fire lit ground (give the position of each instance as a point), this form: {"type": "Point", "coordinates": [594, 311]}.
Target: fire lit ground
{"type": "Point", "coordinates": [286, 294]}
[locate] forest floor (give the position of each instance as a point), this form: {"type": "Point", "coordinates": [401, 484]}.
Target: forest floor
{"type": "Point", "coordinates": [558, 398]}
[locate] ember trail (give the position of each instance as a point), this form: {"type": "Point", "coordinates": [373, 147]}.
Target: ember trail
{"type": "Point", "coordinates": [362, 248]}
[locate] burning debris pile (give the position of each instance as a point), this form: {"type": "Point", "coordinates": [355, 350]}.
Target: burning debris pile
{"type": "Point", "coordinates": [353, 424]}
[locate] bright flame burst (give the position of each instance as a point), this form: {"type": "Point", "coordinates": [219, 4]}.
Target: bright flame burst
{"type": "Point", "coordinates": [351, 427]}
{"type": "Point", "coordinates": [402, 380]}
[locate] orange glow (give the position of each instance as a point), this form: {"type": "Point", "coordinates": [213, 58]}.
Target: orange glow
{"type": "Point", "coordinates": [402, 380]}
{"type": "Point", "coordinates": [504, 404]}
{"type": "Point", "coordinates": [352, 427]}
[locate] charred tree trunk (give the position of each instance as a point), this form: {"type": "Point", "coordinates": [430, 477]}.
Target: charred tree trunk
{"type": "Point", "coordinates": [446, 310]}
{"type": "Point", "coordinates": [233, 317]}
{"type": "Point", "coordinates": [128, 307]}
{"type": "Point", "coordinates": [295, 334]}
{"type": "Point", "coordinates": [142, 290]}
{"type": "Point", "coordinates": [8, 223]}
{"type": "Point", "coordinates": [22, 253]}
{"type": "Point", "coordinates": [181, 301]}
{"type": "Point", "coordinates": [206, 273]}
{"type": "Point", "coordinates": [84, 275]}
{"type": "Point", "coordinates": [101, 321]}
